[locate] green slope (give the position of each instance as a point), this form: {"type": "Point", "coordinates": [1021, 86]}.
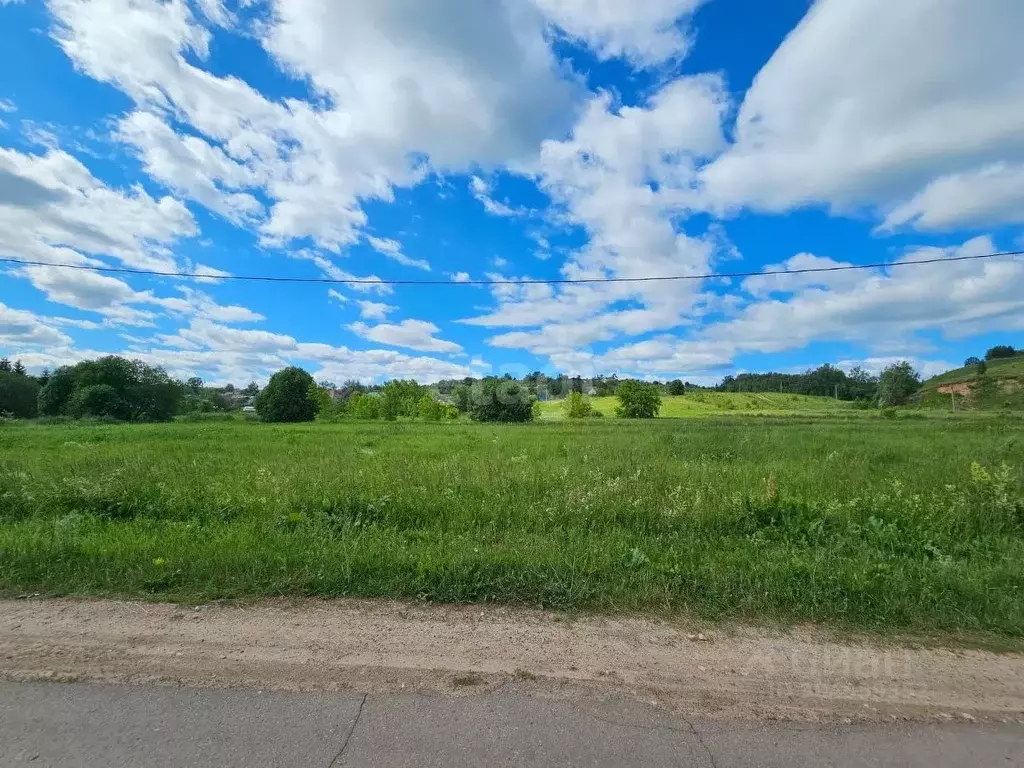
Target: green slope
{"type": "Point", "coordinates": [1001, 386]}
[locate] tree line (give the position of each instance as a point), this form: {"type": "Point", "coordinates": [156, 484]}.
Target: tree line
{"type": "Point", "coordinates": [119, 389]}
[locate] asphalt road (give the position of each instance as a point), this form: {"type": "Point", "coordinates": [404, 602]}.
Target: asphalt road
{"type": "Point", "coordinates": [51, 724]}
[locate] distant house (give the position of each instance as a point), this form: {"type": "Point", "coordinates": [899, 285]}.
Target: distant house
{"type": "Point", "coordinates": [249, 409]}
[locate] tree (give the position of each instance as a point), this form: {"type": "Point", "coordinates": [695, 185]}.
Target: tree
{"type": "Point", "coordinates": [5, 365]}
{"type": "Point", "coordinates": [970, 362]}
{"type": "Point", "coordinates": [638, 400]}
{"type": "Point", "coordinates": [462, 397]}
{"type": "Point", "coordinates": [144, 393]}
{"type": "Point", "coordinates": [53, 398]}
{"type": "Point", "coordinates": [897, 383]}
{"type": "Point", "coordinates": [289, 397]}
{"type": "Point", "coordinates": [44, 377]}
{"type": "Point", "coordinates": [576, 406]}
{"type": "Point", "coordinates": [401, 398]}
{"type": "Point", "coordinates": [324, 401]}
{"type": "Point", "coordinates": [430, 409]}
{"type": "Point", "coordinates": [251, 390]}
{"type": "Point", "coordinates": [981, 368]}
{"type": "Point", "coordinates": [19, 368]}
{"type": "Point", "coordinates": [676, 388]}
{"type": "Point", "coordinates": [1000, 352]}
{"type": "Point", "coordinates": [19, 395]}
{"type": "Point", "coordinates": [100, 400]}
{"type": "Point", "coordinates": [501, 400]}
{"type": "Point", "coordinates": [364, 406]}
{"type": "Point", "coordinates": [195, 384]}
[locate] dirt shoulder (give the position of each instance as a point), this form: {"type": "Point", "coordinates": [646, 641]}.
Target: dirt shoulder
{"type": "Point", "coordinates": [385, 646]}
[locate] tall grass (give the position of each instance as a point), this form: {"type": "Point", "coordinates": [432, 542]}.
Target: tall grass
{"type": "Point", "coordinates": [888, 525]}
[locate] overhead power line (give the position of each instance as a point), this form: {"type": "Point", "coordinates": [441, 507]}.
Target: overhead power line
{"type": "Point", "coordinates": [528, 281]}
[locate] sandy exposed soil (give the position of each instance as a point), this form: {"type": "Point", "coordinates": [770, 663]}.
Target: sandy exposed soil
{"type": "Point", "coordinates": [384, 646]}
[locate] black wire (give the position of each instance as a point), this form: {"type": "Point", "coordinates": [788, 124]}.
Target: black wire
{"type": "Point", "coordinates": [554, 281]}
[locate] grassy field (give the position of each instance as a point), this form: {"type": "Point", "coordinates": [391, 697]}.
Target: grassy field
{"type": "Point", "coordinates": [862, 522]}
{"type": "Point", "coordinates": [711, 403]}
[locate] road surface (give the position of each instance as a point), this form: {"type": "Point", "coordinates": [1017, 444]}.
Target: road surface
{"type": "Point", "coordinates": [111, 726]}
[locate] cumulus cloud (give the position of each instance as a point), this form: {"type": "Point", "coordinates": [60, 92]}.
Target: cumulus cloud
{"type": "Point", "coordinates": [411, 334]}
{"type": "Point", "coordinates": [20, 328]}
{"type": "Point", "coordinates": [645, 32]}
{"type": "Point", "coordinates": [869, 102]}
{"type": "Point", "coordinates": [53, 209]}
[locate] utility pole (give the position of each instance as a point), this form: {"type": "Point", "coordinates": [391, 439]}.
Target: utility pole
{"type": "Point", "coordinates": [952, 396]}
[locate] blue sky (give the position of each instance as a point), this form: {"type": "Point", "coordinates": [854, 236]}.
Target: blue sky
{"type": "Point", "coordinates": [515, 139]}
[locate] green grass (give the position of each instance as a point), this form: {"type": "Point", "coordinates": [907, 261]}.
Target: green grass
{"type": "Point", "coordinates": [1009, 367]}
{"type": "Point", "coordinates": [849, 519]}
{"type": "Point", "coordinates": [720, 403]}
{"type": "Point", "coordinates": [1000, 388]}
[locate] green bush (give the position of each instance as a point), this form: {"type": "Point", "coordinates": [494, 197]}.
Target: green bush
{"type": "Point", "coordinates": [576, 406]}
{"type": "Point", "coordinates": [501, 400]}
{"type": "Point", "coordinates": [291, 396]}
{"type": "Point", "coordinates": [364, 406]}
{"type": "Point", "coordinates": [638, 400]}
{"type": "Point", "coordinates": [100, 401]}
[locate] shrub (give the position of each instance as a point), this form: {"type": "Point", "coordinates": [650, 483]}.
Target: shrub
{"type": "Point", "coordinates": [576, 406]}
{"type": "Point", "coordinates": [501, 400]}
{"type": "Point", "coordinates": [638, 400]}
{"type": "Point", "coordinates": [1000, 352]}
{"type": "Point", "coordinates": [889, 413]}
{"type": "Point", "coordinates": [431, 409]}
{"type": "Point", "coordinates": [289, 397]}
{"type": "Point", "coordinates": [970, 362]}
{"type": "Point", "coordinates": [99, 401]}
{"type": "Point", "coordinates": [19, 395]}
{"type": "Point", "coordinates": [676, 388]}
{"type": "Point", "coordinates": [364, 406]}
{"type": "Point", "coordinates": [401, 398]}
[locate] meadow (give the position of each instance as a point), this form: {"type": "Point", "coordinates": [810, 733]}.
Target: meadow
{"type": "Point", "coordinates": [706, 403]}
{"type": "Point", "coordinates": [906, 524]}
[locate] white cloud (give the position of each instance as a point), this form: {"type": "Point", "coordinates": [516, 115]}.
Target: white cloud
{"type": "Point", "coordinates": [223, 354]}
{"type": "Point", "coordinates": [393, 250]}
{"type": "Point", "coordinates": [459, 277]}
{"type": "Point", "coordinates": [623, 175]}
{"type": "Point", "coordinates": [644, 31]}
{"type": "Point", "coordinates": [53, 209]}
{"type": "Point", "coordinates": [192, 167]}
{"type": "Point", "coordinates": [208, 274]}
{"type": "Point", "coordinates": [411, 334]}
{"type": "Point", "coordinates": [991, 195]}
{"type": "Point", "coordinates": [375, 310]}
{"type": "Point", "coordinates": [330, 270]}
{"type": "Point", "coordinates": [868, 102]}
{"type": "Point", "coordinates": [6, 105]}
{"type": "Point", "coordinates": [337, 296]}
{"type": "Point", "coordinates": [20, 328]}
{"type": "Point", "coordinates": [401, 87]}
{"type": "Point", "coordinates": [115, 300]}
{"type": "Point", "coordinates": [482, 192]}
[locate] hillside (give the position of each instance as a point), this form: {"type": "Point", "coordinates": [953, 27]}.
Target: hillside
{"type": "Point", "coordinates": [1000, 386]}
{"type": "Point", "coordinates": [707, 403]}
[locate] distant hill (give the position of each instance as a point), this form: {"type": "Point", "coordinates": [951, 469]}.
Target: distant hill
{"type": "Point", "coordinates": [1000, 386]}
